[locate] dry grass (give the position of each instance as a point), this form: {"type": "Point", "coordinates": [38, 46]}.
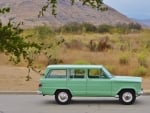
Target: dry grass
{"type": "Point", "coordinates": [13, 78]}
{"type": "Point", "coordinates": [109, 59]}
{"type": "Point", "coordinates": [133, 43]}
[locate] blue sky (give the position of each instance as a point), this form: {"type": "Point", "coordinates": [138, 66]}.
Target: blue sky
{"type": "Point", "coordinates": [139, 9]}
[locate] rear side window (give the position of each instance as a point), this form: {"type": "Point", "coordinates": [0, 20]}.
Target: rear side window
{"type": "Point", "coordinates": [77, 73]}
{"type": "Point", "coordinates": [57, 73]}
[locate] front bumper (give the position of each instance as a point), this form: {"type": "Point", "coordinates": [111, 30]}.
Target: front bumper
{"type": "Point", "coordinates": [140, 92]}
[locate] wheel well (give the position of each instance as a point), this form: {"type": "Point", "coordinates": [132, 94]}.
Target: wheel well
{"type": "Point", "coordinates": [58, 90]}
{"type": "Point", "coordinates": [125, 90]}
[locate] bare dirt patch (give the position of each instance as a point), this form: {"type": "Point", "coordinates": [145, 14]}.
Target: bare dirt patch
{"type": "Point", "coordinates": [14, 79]}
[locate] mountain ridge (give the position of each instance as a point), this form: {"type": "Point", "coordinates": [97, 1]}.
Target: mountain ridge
{"type": "Point", "coordinates": [27, 11]}
{"type": "Point", "coordinates": [145, 22]}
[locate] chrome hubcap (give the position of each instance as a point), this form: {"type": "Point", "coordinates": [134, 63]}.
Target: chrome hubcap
{"type": "Point", "coordinates": [127, 97]}
{"type": "Point", "coordinates": [63, 96]}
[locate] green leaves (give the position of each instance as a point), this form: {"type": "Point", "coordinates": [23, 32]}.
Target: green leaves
{"type": "Point", "coordinates": [49, 3]}
{"type": "Point", "coordinates": [12, 42]}
{"type": "Point", "coordinates": [4, 10]}
{"type": "Point", "coordinates": [53, 5]}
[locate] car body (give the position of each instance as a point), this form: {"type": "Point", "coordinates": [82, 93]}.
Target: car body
{"type": "Point", "coordinates": [67, 81]}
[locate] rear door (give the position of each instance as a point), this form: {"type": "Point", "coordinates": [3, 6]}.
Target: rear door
{"type": "Point", "coordinates": [77, 82]}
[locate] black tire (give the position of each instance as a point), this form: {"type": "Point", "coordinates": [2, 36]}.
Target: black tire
{"type": "Point", "coordinates": [63, 97]}
{"type": "Point", "coordinates": [127, 97]}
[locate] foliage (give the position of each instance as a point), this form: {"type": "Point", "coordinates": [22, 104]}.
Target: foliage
{"type": "Point", "coordinates": [53, 4]}
{"type": "Point", "coordinates": [4, 10]}
{"type": "Point", "coordinates": [81, 62]}
{"type": "Point", "coordinates": [142, 71]}
{"type": "Point", "coordinates": [124, 58]}
{"type": "Point", "coordinates": [14, 44]}
{"type": "Point", "coordinates": [73, 27]}
{"type": "Point", "coordinates": [127, 28]}
{"type": "Point", "coordinates": [43, 31]}
{"type": "Point", "coordinates": [134, 26]}
{"type": "Point", "coordinates": [87, 27]}
{"type": "Point", "coordinates": [104, 28]}
{"type": "Point", "coordinates": [142, 58]}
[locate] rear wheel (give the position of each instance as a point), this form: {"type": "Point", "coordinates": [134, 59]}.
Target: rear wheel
{"type": "Point", "coordinates": [127, 97]}
{"type": "Point", "coordinates": [63, 97]}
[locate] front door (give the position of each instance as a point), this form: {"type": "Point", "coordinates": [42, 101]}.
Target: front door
{"type": "Point", "coordinates": [98, 84]}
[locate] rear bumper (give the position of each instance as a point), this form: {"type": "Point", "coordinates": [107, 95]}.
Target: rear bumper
{"type": "Point", "coordinates": [39, 93]}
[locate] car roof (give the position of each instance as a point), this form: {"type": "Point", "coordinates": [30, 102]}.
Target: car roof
{"type": "Point", "coordinates": [73, 66]}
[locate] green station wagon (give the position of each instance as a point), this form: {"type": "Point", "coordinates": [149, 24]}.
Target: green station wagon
{"type": "Point", "coordinates": [67, 81]}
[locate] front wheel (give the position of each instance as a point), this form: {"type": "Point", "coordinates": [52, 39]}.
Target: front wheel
{"type": "Point", "coordinates": [63, 97]}
{"type": "Point", "coordinates": [127, 97]}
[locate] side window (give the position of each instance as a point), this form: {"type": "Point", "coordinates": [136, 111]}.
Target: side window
{"type": "Point", "coordinates": [77, 73]}
{"type": "Point", "coordinates": [60, 73]}
{"type": "Point", "coordinates": [95, 73]}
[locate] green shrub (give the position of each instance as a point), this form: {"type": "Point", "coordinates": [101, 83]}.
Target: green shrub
{"type": "Point", "coordinates": [88, 27]}
{"type": "Point", "coordinates": [104, 28]}
{"type": "Point", "coordinates": [147, 44]}
{"type": "Point", "coordinates": [142, 58]}
{"type": "Point", "coordinates": [142, 71]}
{"type": "Point", "coordinates": [43, 31]}
{"type": "Point", "coordinates": [73, 27]}
{"type": "Point", "coordinates": [134, 26]}
{"type": "Point", "coordinates": [127, 28]}
{"type": "Point", "coordinates": [81, 62]}
{"type": "Point", "coordinates": [124, 58]}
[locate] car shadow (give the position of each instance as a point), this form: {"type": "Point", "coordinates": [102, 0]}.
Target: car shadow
{"type": "Point", "coordinates": [76, 101]}
{"type": "Point", "coordinates": [84, 102]}
{"type": "Point", "coordinates": [90, 102]}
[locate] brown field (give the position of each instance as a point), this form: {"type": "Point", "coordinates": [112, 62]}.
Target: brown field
{"type": "Point", "coordinates": [13, 77]}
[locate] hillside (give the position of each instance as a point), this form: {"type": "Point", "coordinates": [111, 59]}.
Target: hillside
{"type": "Point", "coordinates": [145, 22]}
{"type": "Point", "coordinates": [27, 11]}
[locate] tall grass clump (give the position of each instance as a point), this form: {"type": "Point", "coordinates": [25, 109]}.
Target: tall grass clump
{"type": "Point", "coordinates": [81, 62]}
{"type": "Point", "coordinates": [73, 27]}
{"type": "Point", "coordinates": [104, 28]}
{"type": "Point", "coordinates": [141, 71]}
{"type": "Point", "coordinates": [142, 58]}
{"type": "Point", "coordinates": [87, 27]}
{"type": "Point", "coordinates": [124, 58]}
{"type": "Point", "coordinates": [127, 28]}
{"type": "Point", "coordinates": [43, 32]}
